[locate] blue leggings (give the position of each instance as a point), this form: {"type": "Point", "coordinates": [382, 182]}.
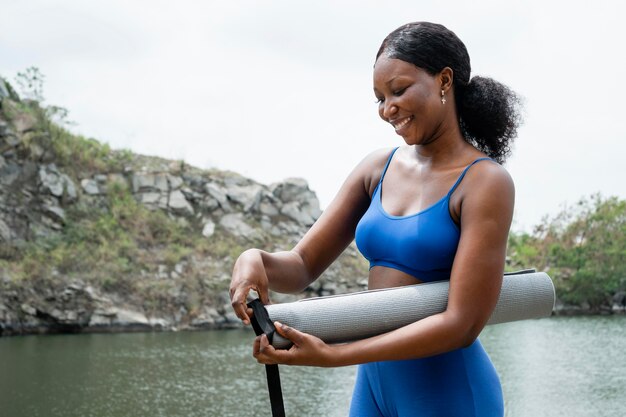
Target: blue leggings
{"type": "Point", "coordinates": [461, 383]}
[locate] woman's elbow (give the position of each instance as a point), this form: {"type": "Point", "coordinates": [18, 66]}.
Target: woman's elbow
{"type": "Point", "coordinates": [467, 331]}
{"type": "Point", "coordinates": [469, 339]}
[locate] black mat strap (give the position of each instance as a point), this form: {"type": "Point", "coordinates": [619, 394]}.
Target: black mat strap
{"type": "Point", "coordinates": [521, 272]}
{"type": "Point", "coordinates": [262, 324]}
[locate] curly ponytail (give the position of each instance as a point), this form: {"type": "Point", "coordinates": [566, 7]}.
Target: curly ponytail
{"type": "Point", "coordinates": [488, 111]}
{"type": "Point", "coordinates": [489, 115]}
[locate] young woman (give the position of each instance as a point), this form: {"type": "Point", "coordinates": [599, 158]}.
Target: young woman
{"type": "Point", "coordinates": [437, 208]}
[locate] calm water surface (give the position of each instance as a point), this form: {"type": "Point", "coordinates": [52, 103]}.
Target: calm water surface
{"type": "Point", "coordinates": [551, 367]}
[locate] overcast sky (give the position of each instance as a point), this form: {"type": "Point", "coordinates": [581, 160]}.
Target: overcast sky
{"type": "Point", "coordinates": [277, 89]}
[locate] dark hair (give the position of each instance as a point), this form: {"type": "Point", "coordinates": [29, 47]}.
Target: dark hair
{"type": "Point", "coordinates": [489, 112]}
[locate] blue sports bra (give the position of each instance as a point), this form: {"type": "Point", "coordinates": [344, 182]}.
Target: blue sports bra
{"type": "Point", "coordinates": [422, 244]}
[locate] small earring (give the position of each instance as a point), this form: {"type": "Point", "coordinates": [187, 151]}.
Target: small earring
{"type": "Point", "coordinates": [443, 98]}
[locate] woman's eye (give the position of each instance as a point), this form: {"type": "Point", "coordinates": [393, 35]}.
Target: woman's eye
{"type": "Point", "coordinates": [380, 100]}
{"type": "Point", "coordinates": [399, 92]}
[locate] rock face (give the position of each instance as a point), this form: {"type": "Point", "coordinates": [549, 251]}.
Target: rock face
{"type": "Point", "coordinates": [40, 193]}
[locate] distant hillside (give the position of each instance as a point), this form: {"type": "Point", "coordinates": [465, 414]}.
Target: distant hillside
{"type": "Point", "coordinates": [95, 239]}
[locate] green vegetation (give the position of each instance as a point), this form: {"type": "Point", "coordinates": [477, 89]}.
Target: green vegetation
{"type": "Point", "coordinates": [46, 135]}
{"type": "Point", "coordinates": [106, 244]}
{"type": "Point", "coordinates": [583, 249]}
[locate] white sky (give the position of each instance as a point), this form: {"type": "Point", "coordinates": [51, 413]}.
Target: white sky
{"type": "Point", "coordinates": [275, 89]}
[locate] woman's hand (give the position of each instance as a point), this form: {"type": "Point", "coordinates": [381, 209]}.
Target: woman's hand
{"type": "Point", "coordinates": [306, 350]}
{"type": "Point", "coordinates": [248, 274]}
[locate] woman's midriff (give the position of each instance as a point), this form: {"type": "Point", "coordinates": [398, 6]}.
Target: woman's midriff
{"type": "Point", "coordinates": [383, 277]}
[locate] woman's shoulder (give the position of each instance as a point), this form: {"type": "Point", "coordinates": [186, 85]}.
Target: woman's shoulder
{"type": "Point", "coordinates": [489, 173]}
{"type": "Point", "coordinates": [371, 166]}
{"type": "Point", "coordinates": [487, 186]}
{"type": "Point", "coordinates": [484, 180]}
{"type": "Point", "coordinates": [379, 156]}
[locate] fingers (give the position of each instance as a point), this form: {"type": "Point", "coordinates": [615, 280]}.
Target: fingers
{"type": "Point", "coordinates": [238, 302]}
{"type": "Point", "coordinates": [264, 352]}
{"type": "Point", "coordinates": [263, 292]}
{"type": "Point", "coordinates": [239, 297]}
{"type": "Point", "coordinates": [296, 336]}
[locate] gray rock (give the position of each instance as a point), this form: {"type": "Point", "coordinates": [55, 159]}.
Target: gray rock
{"type": "Point", "coordinates": [160, 323]}
{"type": "Point", "coordinates": [203, 322]}
{"type": "Point", "coordinates": [4, 128]}
{"type": "Point", "coordinates": [290, 228]}
{"type": "Point", "coordinates": [208, 203]}
{"type": "Point", "coordinates": [128, 318]}
{"type": "Point", "coordinates": [223, 298]}
{"type": "Point", "coordinates": [90, 186]}
{"type": "Point", "coordinates": [291, 189]}
{"type": "Point", "coordinates": [206, 319]}
{"type": "Point", "coordinates": [51, 181]}
{"type": "Point", "coordinates": [234, 180]}
{"type": "Point", "coordinates": [57, 314]}
{"type": "Point", "coordinates": [268, 209]}
{"type": "Point", "coordinates": [55, 213]}
{"type": "Point", "coordinates": [161, 183]}
{"type": "Point", "coordinates": [12, 141]}
{"type": "Point", "coordinates": [163, 271]}
{"type": "Point", "coordinates": [24, 122]}
{"type": "Point", "coordinates": [9, 172]}
{"type": "Point", "coordinates": [235, 224]}
{"type": "Point", "coordinates": [100, 318]}
{"type": "Point", "coordinates": [231, 317]}
{"type": "Point", "coordinates": [149, 199]}
{"type": "Point", "coordinates": [71, 316]}
{"type": "Point", "coordinates": [70, 188]}
{"type": "Point", "coordinates": [207, 230]}
{"type": "Point", "coordinates": [248, 196]}
{"type": "Point", "coordinates": [301, 204]}
{"type": "Point", "coordinates": [212, 312]}
{"type": "Point", "coordinates": [5, 232]}
{"type": "Point", "coordinates": [179, 204]}
{"type": "Point", "coordinates": [179, 268]}
{"type": "Point", "coordinates": [56, 183]}
{"type": "Point", "coordinates": [28, 309]}
{"type": "Point", "coordinates": [143, 182]}
{"type": "Point", "coordinates": [217, 192]}
{"type": "Point", "coordinates": [294, 211]}
{"type": "Point", "coordinates": [175, 182]}
{"type": "Point", "coordinates": [191, 195]}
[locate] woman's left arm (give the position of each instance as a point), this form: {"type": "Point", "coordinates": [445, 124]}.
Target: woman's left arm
{"type": "Point", "coordinates": [475, 282]}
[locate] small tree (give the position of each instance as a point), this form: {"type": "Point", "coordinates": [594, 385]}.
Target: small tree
{"type": "Point", "coordinates": [30, 83]}
{"type": "Point", "coordinates": [583, 248]}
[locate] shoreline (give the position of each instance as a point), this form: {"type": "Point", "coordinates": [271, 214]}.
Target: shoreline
{"type": "Point", "coordinates": [158, 326]}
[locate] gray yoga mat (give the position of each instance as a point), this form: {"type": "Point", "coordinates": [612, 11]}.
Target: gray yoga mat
{"type": "Point", "coordinates": [348, 317]}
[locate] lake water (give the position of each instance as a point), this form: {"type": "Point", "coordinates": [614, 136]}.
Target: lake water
{"type": "Point", "coordinates": [551, 367]}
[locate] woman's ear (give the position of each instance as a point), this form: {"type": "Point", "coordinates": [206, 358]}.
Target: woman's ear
{"type": "Point", "coordinates": [446, 78]}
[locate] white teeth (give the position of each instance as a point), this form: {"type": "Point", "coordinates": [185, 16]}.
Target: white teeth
{"type": "Point", "coordinates": [402, 123]}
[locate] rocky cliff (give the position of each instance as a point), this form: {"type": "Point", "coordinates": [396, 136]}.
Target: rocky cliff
{"type": "Point", "coordinates": [94, 239]}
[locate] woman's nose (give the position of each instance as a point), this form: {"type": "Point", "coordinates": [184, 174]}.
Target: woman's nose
{"type": "Point", "coordinates": [389, 109]}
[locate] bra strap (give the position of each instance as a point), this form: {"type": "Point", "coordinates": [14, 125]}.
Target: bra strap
{"type": "Point", "coordinates": [458, 181]}
{"type": "Point", "coordinates": [387, 165]}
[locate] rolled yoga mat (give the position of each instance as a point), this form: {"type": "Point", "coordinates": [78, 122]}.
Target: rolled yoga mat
{"type": "Point", "coordinates": [348, 317]}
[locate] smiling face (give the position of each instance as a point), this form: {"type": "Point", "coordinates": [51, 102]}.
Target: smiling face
{"type": "Point", "coordinates": [410, 99]}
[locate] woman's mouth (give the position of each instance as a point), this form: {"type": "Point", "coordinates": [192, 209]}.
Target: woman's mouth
{"type": "Point", "coordinates": [399, 124]}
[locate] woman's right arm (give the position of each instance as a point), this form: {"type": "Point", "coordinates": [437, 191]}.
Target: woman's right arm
{"type": "Point", "coordinates": [292, 271]}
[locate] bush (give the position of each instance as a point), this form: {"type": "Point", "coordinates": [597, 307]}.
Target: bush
{"type": "Point", "coordinates": [583, 248]}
